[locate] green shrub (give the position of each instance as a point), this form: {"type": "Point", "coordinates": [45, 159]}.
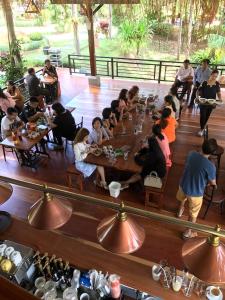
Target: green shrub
{"type": "Point", "coordinates": [32, 45]}
{"type": "Point", "coordinates": [216, 56]}
{"type": "Point", "coordinates": [161, 29]}
{"type": "Point", "coordinates": [36, 36]}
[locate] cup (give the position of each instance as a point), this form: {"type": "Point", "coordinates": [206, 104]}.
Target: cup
{"type": "Point", "coordinates": [84, 296]}
{"type": "Point", "coordinates": [50, 295]}
{"type": "Point", "coordinates": [40, 294]}
{"type": "Point", "coordinates": [213, 293]}
{"type": "Point", "coordinates": [125, 155]}
{"type": "Point", "coordinates": [156, 272]}
{"type": "Point", "coordinates": [2, 249]}
{"type": "Point", "coordinates": [177, 283]}
{"type": "Point", "coordinates": [50, 287]}
{"type": "Point", "coordinates": [40, 283]}
{"type": "Point", "coordinates": [16, 258]}
{"type": "Point", "coordinates": [70, 294]}
{"type": "Point", "coordinates": [8, 252]}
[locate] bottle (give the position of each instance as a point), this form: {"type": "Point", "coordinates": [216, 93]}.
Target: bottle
{"type": "Point", "coordinates": [62, 280]}
{"type": "Point", "coordinates": [67, 274]}
{"type": "Point", "coordinates": [40, 272]}
{"type": "Point", "coordinates": [56, 273]}
{"type": "Point", "coordinates": [48, 274]}
{"type": "Point", "coordinates": [114, 283]}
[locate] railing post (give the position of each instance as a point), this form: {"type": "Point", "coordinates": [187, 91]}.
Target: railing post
{"type": "Point", "coordinates": [160, 71]}
{"type": "Point", "coordinates": [69, 64]}
{"type": "Point", "coordinates": [112, 67]}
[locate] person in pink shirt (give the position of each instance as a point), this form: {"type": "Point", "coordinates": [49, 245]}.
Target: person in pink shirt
{"type": "Point", "coordinates": [163, 143]}
{"type": "Point", "coordinates": [6, 100]}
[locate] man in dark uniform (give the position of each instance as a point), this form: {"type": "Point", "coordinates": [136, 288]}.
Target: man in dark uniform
{"type": "Point", "coordinates": [51, 71]}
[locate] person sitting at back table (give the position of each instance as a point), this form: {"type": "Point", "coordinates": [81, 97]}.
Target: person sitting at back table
{"type": "Point", "coordinates": [132, 97]}
{"type": "Point", "coordinates": [51, 71]}
{"type": "Point", "coordinates": [202, 73]}
{"type": "Point", "coordinates": [6, 100]}
{"type": "Point", "coordinates": [151, 159]}
{"type": "Point", "coordinates": [98, 134]}
{"type": "Point", "coordinates": [184, 77]}
{"type": "Point", "coordinates": [81, 151]}
{"type": "Point", "coordinates": [63, 125]}
{"type": "Point", "coordinates": [163, 143]}
{"type": "Point", "coordinates": [109, 121]}
{"type": "Point", "coordinates": [31, 112]}
{"type": "Point", "coordinates": [169, 103]}
{"type": "Point", "coordinates": [173, 93]}
{"type": "Point", "coordinates": [34, 87]}
{"type": "Point", "coordinates": [10, 122]}
{"type": "Point", "coordinates": [168, 125]}
{"type": "Point", "coordinates": [16, 94]}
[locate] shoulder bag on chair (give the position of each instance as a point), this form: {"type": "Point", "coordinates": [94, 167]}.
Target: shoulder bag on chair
{"type": "Point", "coordinates": [152, 180]}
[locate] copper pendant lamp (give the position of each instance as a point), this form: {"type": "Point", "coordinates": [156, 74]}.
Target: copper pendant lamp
{"type": "Point", "coordinates": [5, 191]}
{"type": "Point", "coordinates": [205, 258]}
{"type": "Point", "coordinates": [49, 213]}
{"type": "Point", "coordinates": [120, 233]}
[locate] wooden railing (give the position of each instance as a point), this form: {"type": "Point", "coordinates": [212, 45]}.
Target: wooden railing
{"type": "Point", "coordinates": [119, 67]}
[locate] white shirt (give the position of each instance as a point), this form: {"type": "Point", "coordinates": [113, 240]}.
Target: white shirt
{"type": "Point", "coordinates": [5, 125]}
{"type": "Point", "coordinates": [81, 151]}
{"type": "Point", "coordinates": [183, 73]}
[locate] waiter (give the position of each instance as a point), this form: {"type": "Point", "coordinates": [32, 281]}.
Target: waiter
{"type": "Point", "coordinates": [202, 73]}
{"type": "Point", "coordinates": [209, 89]}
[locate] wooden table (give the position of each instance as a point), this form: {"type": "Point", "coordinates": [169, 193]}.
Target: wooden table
{"type": "Point", "coordinates": [120, 139]}
{"type": "Point", "coordinates": [135, 272]}
{"type": "Point", "coordinates": [25, 145]}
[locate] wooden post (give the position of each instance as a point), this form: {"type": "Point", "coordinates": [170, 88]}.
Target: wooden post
{"type": "Point", "coordinates": [91, 39]}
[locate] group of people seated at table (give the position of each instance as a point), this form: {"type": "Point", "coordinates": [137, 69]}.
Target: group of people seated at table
{"type": "Point", "coordinates": [205, 85]}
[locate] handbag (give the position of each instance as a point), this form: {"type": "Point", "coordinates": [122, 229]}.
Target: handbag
{"type": "Point", "coordinates": [152, 180]}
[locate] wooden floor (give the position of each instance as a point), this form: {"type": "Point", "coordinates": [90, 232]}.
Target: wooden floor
{"type": "Point", "coordinates": [89, 103]}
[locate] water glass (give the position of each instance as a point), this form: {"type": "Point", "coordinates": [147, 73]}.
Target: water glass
{"type": "Point", "coordinates": [40, 283]}
{"type": "Point", "coordinates": [40, 294]}
{"type": "Point", "coordinates": [50, 295]}
{"type": "Point", "coordinates": [125, 155]}
{"type": "Point", "coordinates": [50, 287]}
{"type": "Point", "coordinates": [70, 294]}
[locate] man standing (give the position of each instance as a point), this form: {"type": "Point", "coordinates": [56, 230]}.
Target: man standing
{"type": "Point", "coordinates": [202, 73]}
{"type": "Point", "coordinates": [51, 71]}
{"type": "Point", "coordinates": [184, 77]}
{"type": "Point", "coordinates": [199, 171]}
{"type": "Point", "coordinates": [33, 84]}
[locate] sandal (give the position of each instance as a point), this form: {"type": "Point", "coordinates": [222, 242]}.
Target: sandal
{"type": "Point", "coordinates": [180, 212]}
{"type": "Point", "coordinates": [186, 235]}
{"type": "Point", "coordinates": [101, 184]}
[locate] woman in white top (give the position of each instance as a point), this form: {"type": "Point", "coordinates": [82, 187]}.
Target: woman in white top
{"type": "Point", "coordinates": [81, 151]}
{"type": "Point", "coordinates": [98, 134]}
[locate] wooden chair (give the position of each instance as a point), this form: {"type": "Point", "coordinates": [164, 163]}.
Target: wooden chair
{"type": "Point", "coordinates": [211, 198]}
{"type": "Point", "coordinates": [217, 156]}
{"type": "Point", "coordinates": [151, 192]}
{"type": "Point", "coordinates": [78, 127]}
{"type": "Point", "coordinates": [71, 173]}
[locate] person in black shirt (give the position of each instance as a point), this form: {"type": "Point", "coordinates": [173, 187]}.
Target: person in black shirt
{"type": "Point", "coordinates": [51, 71]}
{"type": "Point", "coordinates": [151, 158]}
{"type": "Point", "coordinates": [63, 125]}
{"type": "Point", "coordinates": [209, 90]}
{"type": "Point", "coordinates": [34, 88]}
{"type": "Point", "coordinates": [31, 112]}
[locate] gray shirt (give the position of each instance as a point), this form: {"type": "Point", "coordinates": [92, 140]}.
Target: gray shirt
{"type": "Point", "coordinates": [202, 75]}
{"type": "Point", "coordinates": [94, 136]}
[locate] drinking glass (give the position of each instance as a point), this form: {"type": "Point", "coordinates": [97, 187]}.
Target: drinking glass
{"type": "Point", "coordinates": [50, 295]}
{"type": "Point", "coordinates": [75, 282]}
{"type": "Point", "coordinates": [70, 294]}
{"type": "Point", "coordinates": [40, 294]}
{"type": "Point", "coordinates": [125, 155]}
{"type": "Point", "coordinates": [40, 283]}
{"type": "Point", "coordinates": [50, 287]}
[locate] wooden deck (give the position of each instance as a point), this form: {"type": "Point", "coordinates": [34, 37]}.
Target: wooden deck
{"type": "Point", "coordinates": [89, 102]}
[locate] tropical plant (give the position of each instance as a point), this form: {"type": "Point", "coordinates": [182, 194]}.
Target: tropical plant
{"type": "Point", "coordinates": [36, 36]}
{"type": "Point", "coordinates": [133, 34]}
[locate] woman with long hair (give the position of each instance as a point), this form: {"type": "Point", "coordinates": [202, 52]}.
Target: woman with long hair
{"type": "Point", "coordinates": [16, 94]}
{"type": "Point", "coordinates": [6, 100]}
{"type": "Point", "coordinates": [168, 102]}
{"type": "Point", "coordinates": [173, 93]}
{"type": "Point", "coordinates": [132, 96]}
{"type": "Point", "coordinates": [81, 151]}
{"type": "Point", "coordinates": [152, 159]}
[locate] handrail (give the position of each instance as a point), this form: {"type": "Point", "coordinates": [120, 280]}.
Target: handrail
{"type": "Point", "coordinates": [136, 68]}
{"type": "Point", "coordinates": [115, 206]}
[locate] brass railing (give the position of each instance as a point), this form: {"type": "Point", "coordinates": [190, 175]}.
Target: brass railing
{"type": "Point", "coordinates": [115, 206]}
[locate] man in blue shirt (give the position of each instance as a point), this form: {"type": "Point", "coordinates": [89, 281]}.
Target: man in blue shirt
{"type": "Point", "coordinates": [198, 173]}
{"type": "Point", "coordinates": [202, 74]}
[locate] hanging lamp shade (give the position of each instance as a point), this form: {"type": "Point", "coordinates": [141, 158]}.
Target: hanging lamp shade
{"type": "Point", "coordinates": [205, 258]}
{"type": "Point", "coordinates": [32, 8]}
{"type": "Point", "coordinates": [49, 213]}
{"type": "Point", "coordinates": [5, 191]}
{"type": "Point", "coordinates": [120, 233]}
